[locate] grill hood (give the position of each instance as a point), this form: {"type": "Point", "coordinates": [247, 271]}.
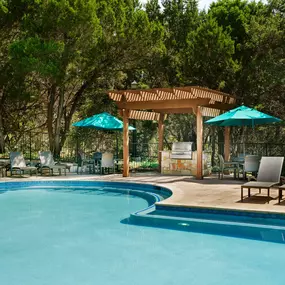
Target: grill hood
{"type": "Point", "coordinates": [181, 150]}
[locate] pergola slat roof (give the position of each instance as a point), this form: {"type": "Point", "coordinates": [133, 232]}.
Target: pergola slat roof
{"type": "Point", "coordinates": [173, 100]}
{"type": "Point", "coordinates": [161, 94]}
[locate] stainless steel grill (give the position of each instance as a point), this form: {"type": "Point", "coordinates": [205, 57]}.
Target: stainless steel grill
{"type": "Point", "coordinates": [181, 150]}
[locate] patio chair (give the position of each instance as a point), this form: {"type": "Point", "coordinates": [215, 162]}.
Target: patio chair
{"type": "Point", "coordinates": [83, 162]}
{"type": "Point", "coordinates": [97, 162]}
{"type": "Point", "coordinates": [18, 164]}
{"type": "Point", "coordinates": [231, 165]}
{"type": "Point", "coordinates": [107, 161]}
{"type": "Point", "coordinates": [268, 175]}
{"type": "Point", "coordinates": [251, 164]}
{"type": "Point", "coordinates": [47, 162]}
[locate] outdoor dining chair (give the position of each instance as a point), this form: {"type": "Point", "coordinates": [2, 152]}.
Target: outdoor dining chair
{"type": "Point", "coordinates": [230, 166]}
{"type": "Point", "coordinates": [83, 162]}
{"type": "Point", "coordinates": [251, 165]}
{"type": "Point", "coordinates": [97, 156]}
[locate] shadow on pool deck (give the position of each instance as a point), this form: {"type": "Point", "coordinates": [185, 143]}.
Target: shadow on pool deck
{"type": "Point", "coordinates": [256, 199]}
{"type": "Point", "coordinates": [157, 179]}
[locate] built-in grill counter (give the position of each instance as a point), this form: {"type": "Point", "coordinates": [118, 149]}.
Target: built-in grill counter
{"type": "Point", "coordinates": [182, 160]}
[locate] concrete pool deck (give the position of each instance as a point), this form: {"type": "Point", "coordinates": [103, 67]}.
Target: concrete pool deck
{"type": "Point", "coordinates": [189, 192]}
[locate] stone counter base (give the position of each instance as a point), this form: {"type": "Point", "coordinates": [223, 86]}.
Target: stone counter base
{"type": "Point", "coordinates": [184, 167]}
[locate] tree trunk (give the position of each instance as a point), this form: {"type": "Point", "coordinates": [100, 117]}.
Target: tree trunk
{"type": "Point", "coordinates": [57, 129]}
{"type": "Point", "coordinates": [221, 141]}
{"type": "Point", "coordinates": [51, 102]}
{"type": "Point", "coordinates": [2, 138]}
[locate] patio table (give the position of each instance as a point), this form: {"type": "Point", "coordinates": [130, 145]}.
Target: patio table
{"type": "Point", "coordinates": [239, 162]}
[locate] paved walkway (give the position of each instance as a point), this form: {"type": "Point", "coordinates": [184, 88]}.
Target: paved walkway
{"type": "Point", "coordinates": [210, 192]}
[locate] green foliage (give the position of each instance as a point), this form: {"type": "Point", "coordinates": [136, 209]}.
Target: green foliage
{"type": "Point", "coordinates": [35, 55]}
{"type": "Point", "coordinates": [148, 164]}
{"type": "Point", "coordinates": [58, 57]}
{"type": "Point", "coordinates": [209, 54]}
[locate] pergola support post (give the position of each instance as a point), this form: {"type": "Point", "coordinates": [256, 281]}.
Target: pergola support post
{"type": "Point", "coordinates": [126, 156]}
{"type": "Point", "coordinates": [160, 139]}
{"type": "Point", "coordinates": [227, 144]}
{"type": "Point", "coordinates": [199, 126]}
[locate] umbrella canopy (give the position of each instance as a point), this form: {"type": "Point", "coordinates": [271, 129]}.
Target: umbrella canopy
{"type": "Point", "coordinates": [102, 121]}
{"type": "Point", "coordinates": [242, 116]}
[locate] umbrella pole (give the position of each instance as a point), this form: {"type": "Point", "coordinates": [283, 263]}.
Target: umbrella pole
{"type": "Point", "coordinates": [117, 146]}
{"type": "Point", "coordinates": [243, 142]}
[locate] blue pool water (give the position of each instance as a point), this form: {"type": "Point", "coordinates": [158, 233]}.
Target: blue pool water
{"type": "Point", "coordinates": [73, 235]}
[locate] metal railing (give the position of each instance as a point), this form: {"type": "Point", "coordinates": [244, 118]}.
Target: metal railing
{"type": "Point", "coordinates": [262, 149]}
{"type": "Point", "coordinates": [142, 155]}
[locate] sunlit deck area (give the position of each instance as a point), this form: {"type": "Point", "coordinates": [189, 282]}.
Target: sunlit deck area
{"type": "Point", "coordinates": [189, 192]}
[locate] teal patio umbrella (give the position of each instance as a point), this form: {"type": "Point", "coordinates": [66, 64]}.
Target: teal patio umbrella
{"type": "Point", "coordinates": [242, 116]}
{"type": "Point", "coordinates": [102, 121]}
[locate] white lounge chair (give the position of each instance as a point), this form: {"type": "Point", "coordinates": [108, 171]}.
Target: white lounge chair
{"type": "Point", "coordinates": [268, 175]}
{"type": "Point", "coordinates": [18, 164]}
{"type": "Point", "coordinates": [47, 162]}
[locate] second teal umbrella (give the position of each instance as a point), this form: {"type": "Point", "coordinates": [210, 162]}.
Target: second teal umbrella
{"type": "Point", "coordinates": [242, 116]}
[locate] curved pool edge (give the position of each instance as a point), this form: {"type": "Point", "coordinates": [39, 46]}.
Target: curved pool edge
{"type": "Point", "coordinates": [154, 193]}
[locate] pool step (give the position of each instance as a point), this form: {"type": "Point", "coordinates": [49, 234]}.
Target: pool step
{"type": "Point", "coordinates": [249, 230]}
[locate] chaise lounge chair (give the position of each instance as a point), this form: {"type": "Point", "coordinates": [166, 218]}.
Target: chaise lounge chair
{"type": "Point", "coordinates": [47, 162]}
{"type": "Point", "coordinates": [268, 175]}
{"type": "Point", "coordinates": [18, 163]}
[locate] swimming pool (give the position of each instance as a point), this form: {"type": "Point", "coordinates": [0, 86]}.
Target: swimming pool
{"type": "Point", "coordinates": [78, 233]}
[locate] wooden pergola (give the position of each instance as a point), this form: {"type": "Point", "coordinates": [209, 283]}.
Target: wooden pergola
{"type": "Point", "coordinates": [154, 104]}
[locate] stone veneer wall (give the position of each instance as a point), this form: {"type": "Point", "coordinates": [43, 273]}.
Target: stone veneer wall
{"type": "Point", "coordinates": [184, 167]}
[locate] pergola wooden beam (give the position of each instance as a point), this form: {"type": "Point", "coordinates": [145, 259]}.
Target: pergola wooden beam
{"type": "Point", "coordinates": [141, 115]}
{"type": "Point", "coordinates": [164, 105]}
{"type": "Point", "coordinates": [176, 111]}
